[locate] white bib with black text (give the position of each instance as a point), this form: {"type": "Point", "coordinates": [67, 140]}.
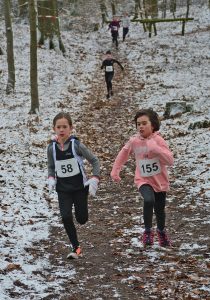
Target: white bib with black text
{"type": "Point", "coordinates": [109, 68]}
{"type": "Point", "coordinates": [149, 167]}
{"type": "Point", "coordinates": [67, 168]}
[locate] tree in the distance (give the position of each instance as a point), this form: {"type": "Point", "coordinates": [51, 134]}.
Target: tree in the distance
{"type": "Point", "coordinates": [23, 8]}
{"type": "Point", "coordinates": [10, 53]}
{"type": "Point", "coordinates": [33, 59]}
{"type": "Point", "coordinates": [48, 23]}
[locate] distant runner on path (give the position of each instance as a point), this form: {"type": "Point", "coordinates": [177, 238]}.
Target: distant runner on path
{"type": "Point", "coordinates": [66, 174]}
{"type": "Point", "coordinates": [108, 65]}
{"type": "Point", "coordinates": [125, 24]}
{"type": "Point", "coordinates": [114, 25]}
{"type": "Point", "coordinates": [152, 155]}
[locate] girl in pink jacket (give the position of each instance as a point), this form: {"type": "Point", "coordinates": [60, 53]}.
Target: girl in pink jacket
{"type": "Point", "coordinates": [152, 155]}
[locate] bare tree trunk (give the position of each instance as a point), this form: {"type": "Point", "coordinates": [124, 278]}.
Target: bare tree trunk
{"type": "Point", "coordinates": [173, 7]}
{"type": "Point", "coordinates": [153, 8]}
{"type": "Point", "coordinates": [113, 7]}
{"type": "Point", "coordinates": [23, 8]}
{"type": "Point", "coordinates": [164, 9]}
{"type": "Point", "coordinates": [150, 8]}
{"type": "Point", "coordinates": [57, 26]}
{"type": "Point", "coordinates": [141, 15]}
{"type": "Point", "coordinates": [187, 14]}
{"type": "Point", "coordinates": [33, 59]}
{"type": "Point", "coordinates": [147, 27]}
{"type": "Point", "coordinates": [1, 51]}
{"type": "Point", "coordinates": [145, 9]}
{"type": "Point", "coordinates": [188, 8]}
{"type": "Point", "coordinates": [104, 13]}
{"type": "Point", "coordinates": [136, 9]}
{"type": "Point", "coordinates": [10, 53]}
{"type": "Point", "coordinates": [48, 23]}
{"type": "Point", "coordinates": [44, 20]}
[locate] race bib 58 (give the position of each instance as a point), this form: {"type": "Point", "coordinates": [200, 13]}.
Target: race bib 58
{"type": "Point", "coordinates": [149, 167]}
{"type": "Point", "coordinates": [67, 167]}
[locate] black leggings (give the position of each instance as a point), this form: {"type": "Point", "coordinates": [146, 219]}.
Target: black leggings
{"type": "Point", "coordinates": [125, 32]}
{"type": "Point", "coordinates": [156, 201]}
{"type": "Point", "coordinates": [108, 79]}
{"type": "Point", "coordinates": [80, 201]}
{"type": "Point", "coordinates": [115, 37]}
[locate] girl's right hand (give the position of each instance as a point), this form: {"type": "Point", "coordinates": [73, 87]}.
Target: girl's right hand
{"type": "Point", "coordinates": [115, 178]}
{"type": "Point", "coordinates": [93, 185]}
{"type": "Point", "coordinates": [51, 183]}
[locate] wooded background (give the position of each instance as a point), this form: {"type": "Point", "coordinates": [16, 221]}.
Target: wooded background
{"type": "Point", "coordinates": [48, 18]}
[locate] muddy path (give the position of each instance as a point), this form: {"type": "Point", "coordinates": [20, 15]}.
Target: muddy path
{"type": "Point", "coordinates": [104, 125]}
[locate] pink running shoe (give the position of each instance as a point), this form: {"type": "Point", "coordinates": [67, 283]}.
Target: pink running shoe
{"type": "Point", "coordinates": [148, 238]}
{"type": "Point", "coordinates": [163, 238]}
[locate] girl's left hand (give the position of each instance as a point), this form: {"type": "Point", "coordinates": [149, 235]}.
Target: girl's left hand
{"type": "Point", "coordinates": [93, 185]}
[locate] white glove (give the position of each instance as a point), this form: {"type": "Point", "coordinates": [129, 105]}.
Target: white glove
{"type": "Point", "coordinates": [51, 183]}
{"type": "Point", "coordinates": [93, 185]}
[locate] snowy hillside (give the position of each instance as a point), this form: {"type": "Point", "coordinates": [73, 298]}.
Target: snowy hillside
{"type": "Point", "coordinates": [167, 67]}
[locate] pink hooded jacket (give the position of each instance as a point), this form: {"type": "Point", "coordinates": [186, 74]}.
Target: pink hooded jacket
{"type": "Point", "coordinates": [152, 156]}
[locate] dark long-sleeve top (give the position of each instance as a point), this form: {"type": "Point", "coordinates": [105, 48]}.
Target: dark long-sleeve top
{"type": "Point", "coordinates": [110, 63]}
{"type": "Point", "coordinates": [114, 25]}
{"type": "Point", "coordinates": [81, 150]}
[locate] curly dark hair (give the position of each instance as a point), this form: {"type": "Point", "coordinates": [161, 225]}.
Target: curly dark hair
{"type": "Point", "coordinates": [62, 115]}
{"type": "Point", "coordinates": [152, 115]}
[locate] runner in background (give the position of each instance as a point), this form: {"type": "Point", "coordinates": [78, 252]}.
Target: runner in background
{"type": "Point", "coordinates": [125, 24]}
{"type": "Point", "coordinates": [108, 65]}
{"type": "Point", "coordinates": [114, 25]}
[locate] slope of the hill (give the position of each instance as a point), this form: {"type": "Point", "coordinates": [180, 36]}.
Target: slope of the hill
{"type": "Point", "coordinates": [115, 266]}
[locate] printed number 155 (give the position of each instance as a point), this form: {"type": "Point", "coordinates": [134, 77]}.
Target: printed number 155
{"type": "Point", "coordinates": [149, 168]}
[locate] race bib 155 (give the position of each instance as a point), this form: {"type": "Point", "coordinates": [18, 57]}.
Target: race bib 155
{"type": "Point", "coordinates": [149, 167]}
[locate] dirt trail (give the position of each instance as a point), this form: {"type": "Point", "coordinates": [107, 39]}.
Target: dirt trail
{"type": "Point", "coordinates": [104, 125]}
{"type": "Point", "coordinates": [107, 125]}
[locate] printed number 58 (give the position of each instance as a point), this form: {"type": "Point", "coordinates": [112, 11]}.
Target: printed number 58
{"type": "Point", "coordinates": [67, 168]}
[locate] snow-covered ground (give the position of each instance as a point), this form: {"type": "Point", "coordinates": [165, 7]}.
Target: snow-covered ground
{"type": "Point", "coordinates": [172, 67]}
